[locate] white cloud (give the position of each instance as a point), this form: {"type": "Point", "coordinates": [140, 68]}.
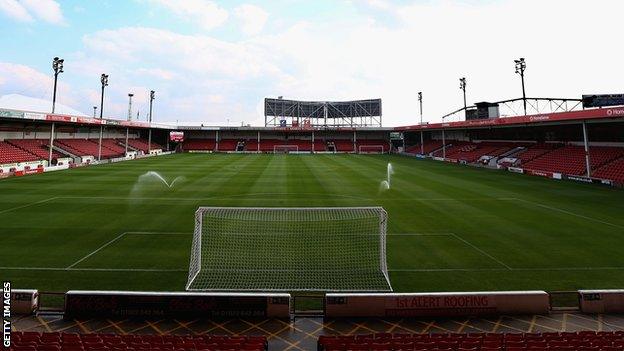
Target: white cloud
{"type": "Point", "coordinates": [252, 18]}
{"type": "Point", "coordinates": [26, 10]}
{"type": "Point", "coordinates": [15, 10]}
{"type": "Point", "coordinates": [21, 79]}
{"type": "Point", "coordinates": [46, 10]}
{"type": "Point", "coordinates": [427, 47]}
{"type": "Point", "coordinates": [206, 13]}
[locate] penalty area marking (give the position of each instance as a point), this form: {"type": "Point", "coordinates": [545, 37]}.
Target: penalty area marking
{"type": "Point", "coordinates": [466, 242]}
{"type": "Point", "coordinates": [119, 237]}
{"type": "Point", "coordinates": [28, 205]}
{"type": "Point", "coordinates": [570, 213]}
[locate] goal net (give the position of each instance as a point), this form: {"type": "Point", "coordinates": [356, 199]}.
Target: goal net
{"type": "Point", "coordinates": [284, 149]}
{"type": "Point", "coordinates": [289, 249]}
{"type": "Point", "coordinates": [371, 149]}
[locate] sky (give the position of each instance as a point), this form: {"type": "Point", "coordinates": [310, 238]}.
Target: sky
{"type": "Point", "coordinates": [213, 62]}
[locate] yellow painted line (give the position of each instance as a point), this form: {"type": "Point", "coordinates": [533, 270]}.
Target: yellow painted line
{"type": "Point", "coordinates": [600, 324]}
{"type": "Point", "coordinates": [532, 325]}
{"type": "Point", "coordinates": [142, 327]}
{"type": "Point", "coordinates": [565, 321]}
{"type": "Point", "coordinates": [462, 326]}
{"type": "Point", "coordinates": [611, 324]}
{"type": "Point", "coordinates": [218, 325]}
{"type": "Point", "coordinates": [45, 324]}
{"type": "Point", "coordinates": [182, 325]}
{"type": "Point", "coordinates": [471, 326]}
{"type": "Point", "coordinates": [427, 327]}
{"type": "Point", "coordinates": [83, 327]}
{"type": "Point", "coordinates": [497, 324]}
{"type": "Point", "coordinates": [364, 326]}
{"type": "Point", "coordinates": [500, 324]}
{"type": "Point", "coordinates": [115, 325]}
{"type": "Point", "coordinates": [398, 325]}
{"type": "Point", "coordinates": [155, 327]}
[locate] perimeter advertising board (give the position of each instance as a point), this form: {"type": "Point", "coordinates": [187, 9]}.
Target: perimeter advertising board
{"type": "Point", "coordinates": [88, 304]}
{"type": "Point", "coordinates": [436, 304]}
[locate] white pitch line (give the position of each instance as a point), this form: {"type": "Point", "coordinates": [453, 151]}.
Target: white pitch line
{"type": "Point", "coordinates": [571, 213]}
{"type": "Point", "coordinates": [119, 237]}
{"type": "Point", "coordinates": [97, 250]}
{"type": "Point", "coordinates": [420, 234]}
{"type": "Point", "coordinates": [28, 205]}
{"type": "Point", "coordinates": [481, 251]}
{"type": "Point", "coordinates": [93, 269]}
{"type": "Point", "coordinates": [541, 269]}
{"type": "Point", "coordinates": [158, 233]}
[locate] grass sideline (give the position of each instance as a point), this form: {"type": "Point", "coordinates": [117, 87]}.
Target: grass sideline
{"type": "Point", "coordinates": [451, 227]}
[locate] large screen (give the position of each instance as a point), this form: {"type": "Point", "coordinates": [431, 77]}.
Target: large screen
{"type": "Point", "coordinates": [178, 137]}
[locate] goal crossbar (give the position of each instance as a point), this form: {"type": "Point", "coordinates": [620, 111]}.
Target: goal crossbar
{"type": "Point", "coordinates": [289, 249]}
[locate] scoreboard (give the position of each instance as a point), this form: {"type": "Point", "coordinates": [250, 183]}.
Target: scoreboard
{"type": "Point", "coordinates": [177, 137]}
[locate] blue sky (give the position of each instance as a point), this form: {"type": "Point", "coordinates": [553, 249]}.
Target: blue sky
{"type": "Point", "coordinates": [214, 61]}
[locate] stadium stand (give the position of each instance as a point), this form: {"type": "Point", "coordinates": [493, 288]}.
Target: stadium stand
{"type": "Point", "coordinates": [571, 159]}
{"type": "Point", "coordinates": [11, 154]}
{"type": "Point", "coordinates": [37, 147]}
{"type": "Point", "coordinates": [572, 341]}
{"type": "Point", "coordinates": [84, 147]}
{"type": "Point", "coordinates": [228, 145]}
{"type": "Point", "coordinates": [269, 144]}
{"type": "Point", "coordinates": [613, 171]}
{"type": "Point", "coordinates": [199, 144]}
{"type": "Point", "coordinates": [33, 341]}
{"type": "Point", "coordinates": [536, 151]}
{"type": "Point", "coordinates": [343, 145]}
{"type": "Point", "coordinates": [114, 146]}
{"type": "Point", "coordinates": [471, 152]}
{"type": "Point", "coordinates": [142, 145]}
{"type": "Point", "coordinates": [428, 147]}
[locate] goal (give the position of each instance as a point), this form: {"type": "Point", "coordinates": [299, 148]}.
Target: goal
{"type": "Point", "coordinates": [371, 149]}
{"type": "Point", "coordinates": [289, 249]}
{"type": "Point", "coordinates": [284, 149]}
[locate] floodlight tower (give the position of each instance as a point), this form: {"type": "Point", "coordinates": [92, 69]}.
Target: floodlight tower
{"type": "Point", "coordinates": [520, 67]}
{"type": "Point", "coordinates": [130, 95]}
{"type": "Point", "coordinates": [149, 141]}
{"type": "Point", "coordinates": [57, 66]}
{"type": "Point", "coordinates": [104, 81]}
{"type": "Point", "coordinates": [422, 147]}
{"type": "Point", "coordinates": [462, 86]}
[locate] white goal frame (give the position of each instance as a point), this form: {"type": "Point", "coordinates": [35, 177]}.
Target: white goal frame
{"type": "Point", "coordinates": [287, 148]}
{"type": "Point", "coordinates": [376, 149]}
{"type": "Point", "coordinates": [375, 217]}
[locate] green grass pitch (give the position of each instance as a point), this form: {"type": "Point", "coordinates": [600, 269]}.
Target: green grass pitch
{"type": "Point", "coordinates": [469, 229]}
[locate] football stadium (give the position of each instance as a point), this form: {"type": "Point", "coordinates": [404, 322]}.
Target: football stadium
{"type": "Point", "coordinates": [497, 226]}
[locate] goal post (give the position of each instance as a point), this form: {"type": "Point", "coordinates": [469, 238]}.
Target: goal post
{"type": "Point", "coordinates": [289, 249]}
{"type": "Point", "coordinates": [371, 149]}
{"type": "Point", "coordinates": [284, 149]}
